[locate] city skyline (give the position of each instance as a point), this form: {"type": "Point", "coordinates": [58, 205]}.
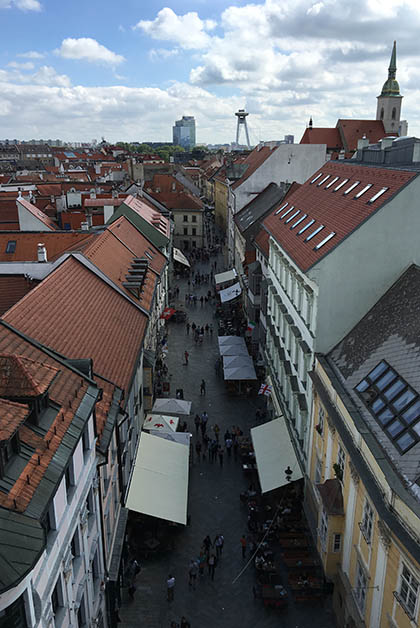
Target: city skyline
{"type": "Point", "coordinates": [86, 73]}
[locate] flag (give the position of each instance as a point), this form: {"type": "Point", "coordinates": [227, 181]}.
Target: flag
{"type": "Point", "coordinates": [265, 389]}
{"type": "Point", "coordinates": [251, 326]}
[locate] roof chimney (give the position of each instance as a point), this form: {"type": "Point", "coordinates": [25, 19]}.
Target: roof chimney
{"type": "Point", "coordinates": [362, 143]}
{"type": "Point", "coordinates": [42, 253]}
{"type": "Point", "coordinates": [84, 226]}
{"type": "Point", "coordinates": [310, 123]}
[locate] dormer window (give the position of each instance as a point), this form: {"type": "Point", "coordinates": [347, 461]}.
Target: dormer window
{"type": "Point", "coordinates": [8, 449]}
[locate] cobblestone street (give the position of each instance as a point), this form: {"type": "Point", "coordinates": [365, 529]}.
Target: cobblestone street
{"type": "Point", "coordinates": [214, 507]}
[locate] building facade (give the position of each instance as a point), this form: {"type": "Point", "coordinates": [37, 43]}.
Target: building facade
{"type": "Point", "coordinates": [183, 133]}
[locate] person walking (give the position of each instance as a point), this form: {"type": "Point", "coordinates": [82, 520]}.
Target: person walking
{"type": "Point", "coordinates": [207, 545]}
{"type": "Point", "coordinates": [198, 450]}
{"type": "Point", "coordinates": [184, 622]}
{"type": "Point", "coordinates": [212, 564]}
{"type": "Point", "coordinates": [197, 422]}
{"type": "Point", "coordinates": [186, 356]}
{"type": "Point", "coordinates": [218, 544]}
{"type": "Point", "coordinates": [204, 420]}
{"type": "Point", "coordinates": [242, 541]}
{"type": "Point", "coordinates": [216, 430]}
{"type": "Point", "coordinates": [229, 444]}
{"type": "Point", "coordinates": [187, 327]}
{"type": "Point", "coordinates": [220, 452]}
{"type": "Point", "coordinates": [193, 571]}
{"type": "Point", "coordinates": [203, 387]}
{"type": "Point", "coordinates": [170, 583]}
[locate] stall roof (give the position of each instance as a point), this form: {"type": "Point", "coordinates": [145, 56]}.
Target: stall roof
{"type": "Point", "coordinates": [159, 484]}
{"type": "Point", "coordinates": [240, 373]}
{"type": "Point", "coordinates": [232, 361]}
{"type": "Point", "coordinates": [171, 406]}
{"type": "Point", "coordinates": [230, 340]}
{"type": "Point", "coordinates": [228, 275]}
{"type": "Point", "coordinates": [161, 422]}
{"type": "Point", "coordinates": [274, 454]}
{"type": "Point", "coordinates": [180, 257]}
{"type": "Point", "coordinates": [230, 293]}
{"type": "Point", "coordinates": [234, 350]}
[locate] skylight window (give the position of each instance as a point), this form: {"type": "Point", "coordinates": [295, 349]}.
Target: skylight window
{"type": "Point", "coordinates": [323, 180]}
{"type": "Point", "coordinates": [363, 190]}
{"type": "Point", "coordinates": [316, 178]}
{"type": "Point", "coordinates": [393, 404]}
{"type": "Point", "coordinates": [353, 185]}
{"type": "Point", "coordinates": [287, 212]}
{"type": "Point", "coordinates": [11, 246]}
{"type": "Point", "coordinates": [311, 222]}
{"type": "Point", "coordinates": [292, 216]}
{"type": "Point", "coordinates": [311, 235]}
{"type": "Point", "coordinates": [148, 255]}
{"type": "Point", "coordinates": [299, 221]}
{"type": "Point", "coordinates": [340, 185]}
{"type": "Point", "coordinates": [281, 209]}
{"type": "Point", "coordinates": [331, 182]}
{"type": "Point", "coordinates": [324, 241]}
{"type": "Point", "coordinates": [377, 195]}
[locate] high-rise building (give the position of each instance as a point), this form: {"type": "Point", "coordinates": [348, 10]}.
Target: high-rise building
{"type": "Point", "coordinates": [183, 132]}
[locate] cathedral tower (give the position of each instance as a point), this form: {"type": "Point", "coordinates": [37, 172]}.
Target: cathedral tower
{"type": "Point", "coordinates": [389, 102]}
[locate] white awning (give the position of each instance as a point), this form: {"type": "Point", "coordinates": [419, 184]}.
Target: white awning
{"type": "Point", "coordinates": [232, 361]}
{"type": "Point", "coordinates": [177, 437]}
{"type": "Point", "coordinates": [161, 422]}
{"type": "Point", "coordinates": [230, 293]}
{"type": "Point", "coordinates": [240, 373]}
{"type": "Point", "coordinates": [230, 340]}
{"type": "Point", "coordinates": [228, 275]}
{"type": "Point", "coordinates": [159, 484]}
{"type": "Point", "coordinates": [274, 454]}
{"type": "Point", "coordinates": [236, 349]}
{"type": "Point", "coordinates": [180, 257]}
{"type": "Point", "coordinates": [171, 406]}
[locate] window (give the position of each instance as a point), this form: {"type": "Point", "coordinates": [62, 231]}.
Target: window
{"type": "Point", "coordinates": [363, 190]}
{"type": "Point", "coordinates": [299, 221]}
{"type": "Point", "coordinates": [318, 471]}
{"type": "Point", "coordinates": [323, 180]}
{"type": "Point", "coordinates": [311, 235]}
{"type": "Point", "coordinates": [311, 222]}
{"type": "Point", "coordinates": [366, 525]}
{"type": "Point", "coordinates": [360, 589]}
{"type": "Point", "coordinates": [292, 216]}
{"type": "Point", "coordinates": [393, 404]}
{"type": "Point", "coordinates": [316, 178]}
{"type": "Point", "coordinates": [394, 113]}
{"type": "Point", "coordinates": [281, 209]}
{"type": "Point", "coordinates": [7, 452]}
{"type": "Point", "coordinates": [353, 185]}
{"type": "Point", "coordinates": [323, 529]}
{"type": "Point", "coordinates": [341, 461]}
{"type": "Point", "coordinates": [69, 476]}
{"type": "Point", "coordinates": [409, 590]}
{"type": "Point", "coordinates": [377, 195]}
{"type": "Point", "coordinates": [85, 438]}
{"type": "Point", "coordinates": [185, 218]}
{"type": "Point", "coordinates": [287, 212]}
{"type": "Point", "coordinates": [331, 183]}
{"type": "Point", "coordinates": [185, 230]}
{"type": "Point", "coordinates": [194, 231]}
{"type": "Point", "coordinates": [194, 218]}
{"type": "Point", "coordinates": [340, 185]}
{"type": "Point", "coordinates": [337, 543]}
{"type": "Point", "coordinates": [382, 113]}
{"type": "Point", "coordinates": [324, 241]}
{"type": "Point", "coordinates": [57, 597]}
{"type": "Point", "coordinates": [75, 544]}
{"type": "Point", "coordinates": [11, 246]}
{"type": "Point", "coordinates": [321, 418]}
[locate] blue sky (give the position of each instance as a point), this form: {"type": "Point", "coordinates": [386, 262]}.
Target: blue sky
{"type": "Point", "coordinates": [126, 70]}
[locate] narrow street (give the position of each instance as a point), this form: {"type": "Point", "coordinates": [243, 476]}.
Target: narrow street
{"type": "Point", "coordinates": [214, 507]}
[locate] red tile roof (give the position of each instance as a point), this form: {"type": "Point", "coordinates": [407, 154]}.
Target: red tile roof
{"type": "Point", "coordinates": [8, 212]}
{"type": "Point", "coordinates": [322, 135]}
{"type": "Point", "coordinates": [171, 193]}
{"type": "Point", "coordinates": [23, 377]}
{"type": "Point", "coordinates": [26, 250]}
{"type": "Point", "coordinates": [12, 416]}
{"type": "Point", "coordinates": [52, 189]}
{"type": "Point", "coordinates": [150, 215]}
{"type": "Point", "coordinates": [138, 244]}
{"type": "Point", "coordinates": [101, 202]}
{"type": "Point", "coordinates": [339, 213]}
{"type": "Point", "coordinates": [81, 316]}
{"type": "Point", "coordinates": [12, 289]}
{"type": "Point", "coordinates": [262, 242]}
{"type": "Point", "coordinates": [353, 130]}
{"type": "Point", "coordinates": [48, 222]}
{"type": "Point", "coordinates": [253, 161]}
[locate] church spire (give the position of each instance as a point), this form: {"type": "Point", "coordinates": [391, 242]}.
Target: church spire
{"type": "Point", "coordinates": [391, 87]}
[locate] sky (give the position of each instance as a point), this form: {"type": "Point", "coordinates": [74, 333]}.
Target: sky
{"type": "Point", "coordinates": [81, 70]}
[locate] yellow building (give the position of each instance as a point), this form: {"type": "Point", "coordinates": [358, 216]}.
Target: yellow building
{"type": "Point", "coordinates": [221, 198]}
{"type": "Point", "coordinates": [364, 495]}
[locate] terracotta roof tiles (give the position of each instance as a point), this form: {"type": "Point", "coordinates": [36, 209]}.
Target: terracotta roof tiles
{"type": "Point", "coordinates": [23, 377]}
{"type": "Point", "coordinates": [12, 416]}
{"type": "Point", "coordinates": [26, 249]}
{"type": "Point", "coordinates": [336, 212]}
{"type": "Point", "coordinates": [323, 135]}
{"type": "Point", "coordinates": [253, 161]}
{"type": "Point", "coordinates": [38, 213]}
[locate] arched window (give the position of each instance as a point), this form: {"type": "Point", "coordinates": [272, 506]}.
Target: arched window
{"type": "Point", "coordinates": [394, 113]}
{"type": "Point", "coordinates": [382, 113]}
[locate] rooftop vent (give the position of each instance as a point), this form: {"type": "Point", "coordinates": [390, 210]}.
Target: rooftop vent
{"type": "Point", "coordinates": [42, 253]}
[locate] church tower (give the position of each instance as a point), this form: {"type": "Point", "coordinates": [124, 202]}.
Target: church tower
{"type": "Point", "coordinates": [389, 102]}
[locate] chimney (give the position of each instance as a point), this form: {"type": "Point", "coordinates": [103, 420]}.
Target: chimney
{"type": "Point", "coordinates": [42, 253]}
{"type": "Point", "coordinates": [84, 226]}
{"type": "Point", "coordinates": [342, 154]}
{"type": "Point", "coordinates": [310, 123]}
{"type": "Point", "coordinates": [386, 142]}
{"type": "Point", "coordinates": [363, 143]}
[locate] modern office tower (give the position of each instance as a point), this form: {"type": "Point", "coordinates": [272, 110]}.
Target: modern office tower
{"type": "Point", "coordinates": [184, 132]}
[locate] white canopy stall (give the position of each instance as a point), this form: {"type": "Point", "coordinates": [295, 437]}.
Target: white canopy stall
{"type": "Point", "coordinates": [230, 293]}
{"type": "Point", "coordinates": [161, 422]}
{"type": "Point", "coordinates": [171, 406]}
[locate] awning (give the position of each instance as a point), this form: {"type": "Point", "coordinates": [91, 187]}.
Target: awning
{"type": "Point", "coordinates": [230, 340]}
{"type": "Point", "coordinates": [240, 373]}
{"type": "Point", "coordinates": [237, 349]}
{"type": "Point", "coordinates": [171, 406]}
{"type": "Point", "coordinates": [167, 313]}
{"type": "Point", "coordinates": [230, 293]}
{"type": "Point", "coordinates": [274, 454]}
{"type": "Point", "coordinates": [232, 361]}
{"type": "Point", "coordinates": [228, 275]}
{"type": "Point", "coordinates": [180, 257]}
{"type": "Point", "coordinates": [161, 423]}
{"type": "Point", "coordinates": [159, 484]}
{"type": "Point", "coordinates": [177, 437]}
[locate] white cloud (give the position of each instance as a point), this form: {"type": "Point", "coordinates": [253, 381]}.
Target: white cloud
{"type": "Point", "coordinates": [31, 54]}
{"type": "Point", "coordinates": [187, 31]}
{"type": "Point", "coordinates": [23, 5]}
{"type": "Point", "coordinates": [162, 53]}
{"type": "Point", "coordinates": [45, 75]}
{"type": "Point", "coordinates": [87, 49]}
{"type": "Point", "coordinates": [21, 66]}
